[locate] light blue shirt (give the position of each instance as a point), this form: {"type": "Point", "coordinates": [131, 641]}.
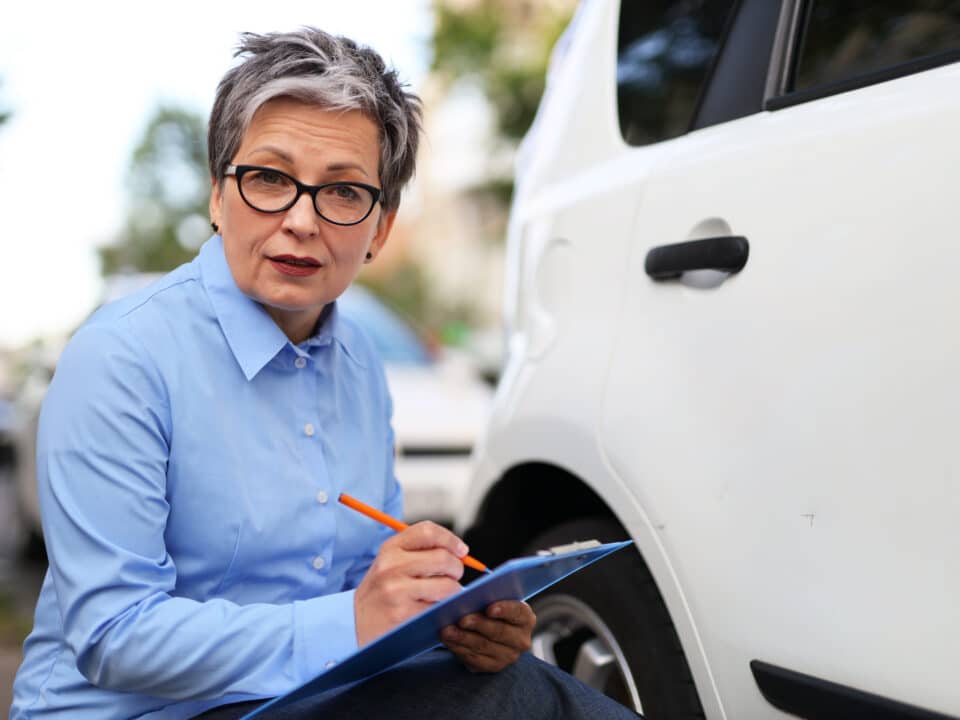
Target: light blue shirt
{"type": "Point", "coordinates": [189, 461]}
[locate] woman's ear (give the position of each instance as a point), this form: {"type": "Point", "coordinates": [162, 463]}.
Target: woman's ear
{"type": "Point", "coordinates": [384, 226]}
{"type": "Point", "coordinates": [216, 199]}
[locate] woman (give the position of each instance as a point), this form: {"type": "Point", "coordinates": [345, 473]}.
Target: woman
{"type": "Point", "coordinates": [196, 434]}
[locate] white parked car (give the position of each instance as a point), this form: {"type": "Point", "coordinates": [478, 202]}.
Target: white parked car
{"type": "Point", "coordinates": [440, 406]}
{"type": "Point", "coordinates": [733, 255]}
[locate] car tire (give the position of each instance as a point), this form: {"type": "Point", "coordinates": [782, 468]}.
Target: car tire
{"type": "Point", "coordinates": [608, 626]}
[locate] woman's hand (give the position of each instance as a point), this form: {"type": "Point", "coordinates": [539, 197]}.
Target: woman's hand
{"type": "Point", "coordinates": [490, 641]}
{"type": "Point", "coordinates": [414, 569]}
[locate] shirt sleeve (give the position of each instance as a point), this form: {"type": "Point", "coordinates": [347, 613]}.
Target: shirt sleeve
{"type": "Point", "coordinates": [103, 444]}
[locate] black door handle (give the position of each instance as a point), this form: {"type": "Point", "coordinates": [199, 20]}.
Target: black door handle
{"type": "Point", "coordinates": [727, 254]}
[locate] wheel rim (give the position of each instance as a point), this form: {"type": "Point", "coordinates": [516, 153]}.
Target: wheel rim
{"type": "Point", "coordinates": [570, 635]}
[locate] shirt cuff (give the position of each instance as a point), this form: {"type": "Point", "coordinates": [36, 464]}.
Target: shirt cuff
{"type": "Point", "coordinates": [324, 633]}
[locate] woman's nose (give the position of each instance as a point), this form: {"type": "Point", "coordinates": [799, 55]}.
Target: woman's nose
{"type": "Point", "coordinates": [302, 217]}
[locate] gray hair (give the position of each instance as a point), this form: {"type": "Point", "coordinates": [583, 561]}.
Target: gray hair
{"type": "Point", "coordinates": [332, 72]}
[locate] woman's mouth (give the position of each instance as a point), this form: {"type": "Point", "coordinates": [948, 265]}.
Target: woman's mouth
{"type": "Point", "coordinates": [296, 266]}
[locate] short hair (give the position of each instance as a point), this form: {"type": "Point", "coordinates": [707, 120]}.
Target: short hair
{"type": "Point", "coordinates": [330, 71]}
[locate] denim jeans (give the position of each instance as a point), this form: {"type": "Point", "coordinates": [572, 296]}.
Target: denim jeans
{"type": "Point", "coordinates": [436, 686]}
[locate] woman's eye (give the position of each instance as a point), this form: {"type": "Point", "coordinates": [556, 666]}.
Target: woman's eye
{"type": "Point", "coordinates": [267, 177]}
{"type": "Point", "coordinates": [345, 192]}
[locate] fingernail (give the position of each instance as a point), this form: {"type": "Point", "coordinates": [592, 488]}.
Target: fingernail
{"type": "Point", "coordinates": [495, 611]}
{"type": "Point", "coordinates": [462, 549]}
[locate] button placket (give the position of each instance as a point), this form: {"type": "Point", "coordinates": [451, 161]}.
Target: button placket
{"type": "Point", "coordinates": [314, 459]}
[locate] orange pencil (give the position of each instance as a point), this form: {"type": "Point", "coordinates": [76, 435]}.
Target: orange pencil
{"type": "Point", "coordinates": [382, 517]}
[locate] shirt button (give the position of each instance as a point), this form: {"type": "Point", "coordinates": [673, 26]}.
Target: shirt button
{"type": "Point", "coordinates": [322, 497]}
{"type": "Point", "coordinates": [318, 563]}
{"type": "Point", "coordinates": [300, 362]}
{"type": "Point", "coordinates": [308, 430]}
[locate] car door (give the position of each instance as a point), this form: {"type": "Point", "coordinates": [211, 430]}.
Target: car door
{"type": "Point", "coordinates": [790, 429]}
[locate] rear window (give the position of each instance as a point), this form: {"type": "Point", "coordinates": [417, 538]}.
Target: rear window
{"type": "Point", "coordinates": [665, 52]}
{"type": "Point", "coordinates": [843, 40]}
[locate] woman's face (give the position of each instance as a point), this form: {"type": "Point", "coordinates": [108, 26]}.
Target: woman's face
{"type": "Point", "coordinates": [315, 146]}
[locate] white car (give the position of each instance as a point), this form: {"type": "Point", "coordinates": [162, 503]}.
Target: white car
{"type": "Point", "coordinates": [733, 255]}
{"type": "Point", "coordinates": [440, 406]}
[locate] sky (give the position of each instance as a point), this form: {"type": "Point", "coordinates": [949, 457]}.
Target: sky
{"type": "Point", "coordinates": [82, 78]}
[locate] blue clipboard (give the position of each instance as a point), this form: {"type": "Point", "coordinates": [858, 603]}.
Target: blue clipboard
{"type": "Point", "coordinates": [518, 579]}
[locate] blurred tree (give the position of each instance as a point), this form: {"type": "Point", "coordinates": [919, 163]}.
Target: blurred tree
{"type": "Point", "coordinates": [4, 114]}
{"type": "Point", "coordinates": [168, 190]}
{"type": "Point", "coordinates": [406, 290]}
{"type": "Point", "coordinates": [502, 45]}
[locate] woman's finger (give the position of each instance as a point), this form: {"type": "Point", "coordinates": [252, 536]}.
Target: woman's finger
{"type": "Point", "coordinates": [476, 661]}
{"type": "Point", "coordinates": [515, 637]}
{"type": "Point", "coordinates": [423, 563]}
{"type": "Point", "coordinates": [514, 612]}
{"type": "Point", "coordinates": [477, 652]}
{"type": "Point", "coordinates": [426, 535]}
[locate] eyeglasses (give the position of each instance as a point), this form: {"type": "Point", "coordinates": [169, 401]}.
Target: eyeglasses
{"type": "Point", "coordinates": [273, 191]}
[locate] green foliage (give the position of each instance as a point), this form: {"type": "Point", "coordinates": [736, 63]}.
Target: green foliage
{"type": "Point", "coordinates": [4, 114]}
{"type": "Point", "coordinates": [168, 190]}
{"type": "Point", "coordinates": [505, 47]}
{"type": "Point", "coordinates": [405, 290]}
{"type": "Point", "coordinates": [464, 37]}
{"type": "Point", "coordinates": [497, 190]}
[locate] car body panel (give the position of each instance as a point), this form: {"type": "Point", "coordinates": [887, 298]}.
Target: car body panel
{"type": "Point", "coordinates": [793, 434]}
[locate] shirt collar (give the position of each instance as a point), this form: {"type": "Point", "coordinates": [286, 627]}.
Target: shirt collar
{"type": "Point", "coordinates": [337, 328]}
{"type": "Point", "coordinates": [253, 336]}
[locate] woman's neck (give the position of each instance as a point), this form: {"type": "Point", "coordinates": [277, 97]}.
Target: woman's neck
{"type": "Point", "coordinates": [298, 325]}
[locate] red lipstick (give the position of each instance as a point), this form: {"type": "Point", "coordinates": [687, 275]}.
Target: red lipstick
{"type": "Point", "coordinates": [294, 265]}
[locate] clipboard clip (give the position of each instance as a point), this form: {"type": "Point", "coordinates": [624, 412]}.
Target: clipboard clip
{"type": "Point", "coordinates": [570, 547]}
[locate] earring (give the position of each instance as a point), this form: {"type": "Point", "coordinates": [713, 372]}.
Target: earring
{"type": "Point", "coordinates": [215, 227]}
{"type": "Point", "coordinates": [369, 256]}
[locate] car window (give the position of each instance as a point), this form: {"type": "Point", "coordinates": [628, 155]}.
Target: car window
{"type": "Point", "coordinates": [844, 40]}
{"type": "Point", "coordinates": [665, 51]}
{"type": "Point", "coordinates": [394, 340]}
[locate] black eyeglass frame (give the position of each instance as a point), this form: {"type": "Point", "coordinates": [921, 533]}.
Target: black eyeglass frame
{"type": "Point", "coordinates": [238, 171]}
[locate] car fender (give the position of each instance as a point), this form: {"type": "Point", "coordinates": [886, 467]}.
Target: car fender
{"type": "Point", "coordinates": [532, 438]}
